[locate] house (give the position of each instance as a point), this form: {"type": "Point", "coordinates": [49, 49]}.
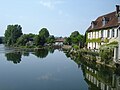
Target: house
{"type": "Point", "coordinates": [104, 30]}
{"type": "Point", "coordinates": [59, 41]}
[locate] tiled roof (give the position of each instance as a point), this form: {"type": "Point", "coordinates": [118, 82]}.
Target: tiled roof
{"type": "Point", "coordinates": [60, 40]}
{"type": "Point", "coordinates": [112, 21]}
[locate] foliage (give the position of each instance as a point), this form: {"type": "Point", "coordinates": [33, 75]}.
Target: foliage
{"type": "Point", "coordinates": [94, 40]}
{"type": "Point", "coordinates": [51, 39]}
{"type": "Point", "coordinates": [12, 33]}
{"type": "Point", "coordinates": [113, 43]}
{"type": "Point", "coordinates": [106, 40]}
{"type": "Point", "coordinates": [37, 40]}
{"type": "Point", "coordinates": [106, 55]}
{"type": "Point", "coordinates": [75, 38]}
{"type": "Point", "coordinates": [24, 39]}
{"type": "Point", "coordinates": [68, 41]}
{"type": "Point", "coordinates": [44, 33]}
{"type": "Point", "coordinates": [41, 39]}
{"type": "Point", "coordinates": [76, 47]}
{"type": "Point", "coordinates": [110, 45]}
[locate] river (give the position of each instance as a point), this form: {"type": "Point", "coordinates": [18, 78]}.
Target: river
{"type": "Point", "coordinates": [52, 70]}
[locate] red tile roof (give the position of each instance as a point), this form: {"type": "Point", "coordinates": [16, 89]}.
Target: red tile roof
{"type": "Point", "coordinates": [112, 22]}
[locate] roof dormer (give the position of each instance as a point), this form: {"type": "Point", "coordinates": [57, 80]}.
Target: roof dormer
{"type": "Point", "coordinates": [93, 23]}
{"type": "Point", "coordinates": [104, 20]}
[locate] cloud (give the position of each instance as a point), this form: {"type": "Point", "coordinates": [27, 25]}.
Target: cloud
{"type": "Point", "coordinates": [50, 3]}
{"type": "Point", "coordinates": [47, 77]}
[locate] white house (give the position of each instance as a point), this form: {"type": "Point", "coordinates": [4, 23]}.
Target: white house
{"type": "Point", "coordinates": [105, 29]}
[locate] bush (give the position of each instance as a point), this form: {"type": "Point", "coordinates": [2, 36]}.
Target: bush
{"type": "Point", "coordinates": [76, 47]}
{"type": "Point", "coordinates": [106, 55]}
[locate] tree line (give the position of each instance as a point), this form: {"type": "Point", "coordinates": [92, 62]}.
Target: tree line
{"type": "Point", "coordinates": [14, 37]}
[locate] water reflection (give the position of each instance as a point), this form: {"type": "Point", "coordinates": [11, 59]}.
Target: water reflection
{"type": "Point", "coordinates": [98, 77]}
{"type": "Point", "coordinates": [41, 53]}
{"type": "Point", "coordinates": [15, 57]}
{"type": "Point", "coordinates": [25, 53]}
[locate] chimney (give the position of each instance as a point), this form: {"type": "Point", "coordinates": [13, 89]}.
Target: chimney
{"type": "Point", "coordinates": [117, 9]}
{"type": "Point", "coordinates": [118, 12]}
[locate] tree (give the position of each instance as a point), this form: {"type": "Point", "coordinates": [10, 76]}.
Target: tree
{"type": "Point", "coordinates": [68, 41]}
{"type": "Point", "coordinates": [24, 39]}
{"type": "Point", "coordinates": [36, 40]}
{"type": "Point", "coordinates": [12, 33]}
{"type": "Point", "coordinates": [44, 33]}
{"type": "Point", "coordinates": [41, 39]}
{"type": "Point", "coordinates": [76, 38]}
{"type": "Point", "coordinates": [74, 34]}
{"type": "Point", "coordinates": [51, 39]}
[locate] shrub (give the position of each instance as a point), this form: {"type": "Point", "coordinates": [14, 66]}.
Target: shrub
{"type": "Point", "coordinates": [106, 55]}
{"type": "Point", "coordinates": [76, 47]}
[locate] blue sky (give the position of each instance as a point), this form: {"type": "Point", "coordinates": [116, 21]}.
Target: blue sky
{"type": "Point", "coordinates": [60, 17]}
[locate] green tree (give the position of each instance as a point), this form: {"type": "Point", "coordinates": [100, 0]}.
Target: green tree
{"type": "Point", "coordinates": [68, 41]}
{"type": "Point", "coordinates": [24, 39]}
{"type": "Point", "coordinates": [51, 39]}
{"type": "Point", "coordinates": [76, 38]}
{"type": "Point", "coordinates": [44, 33]}
{"type": "Point", "coordinates": [37, 40]}
{"type": "Point", "coordinates": [41, 39]}
{"type": "Point", "coordinates": [12, 33]}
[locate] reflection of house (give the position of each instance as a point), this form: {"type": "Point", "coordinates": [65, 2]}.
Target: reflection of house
{"type": "Point", "coordinates": [105, 29]}
{"type": "Point", "coordinates": [98, 81]}
{"type": "Point", "coordinates": [59, 41]}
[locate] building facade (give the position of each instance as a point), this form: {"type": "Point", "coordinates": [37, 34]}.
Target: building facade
{"type": "Point", "coordinates": [104, 30]}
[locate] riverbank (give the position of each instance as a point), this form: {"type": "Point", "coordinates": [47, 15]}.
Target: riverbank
{"type": "Point", "coordinates": [91, 56]}
{"type": "Point", "coordinates": [86, 54]}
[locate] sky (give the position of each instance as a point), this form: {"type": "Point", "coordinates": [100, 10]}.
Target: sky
{"type": "Point", "coordinates": [60, 17]}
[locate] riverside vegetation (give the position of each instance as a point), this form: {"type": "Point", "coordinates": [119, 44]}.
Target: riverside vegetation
{"type": "Point", "coordinates": [14, 37]}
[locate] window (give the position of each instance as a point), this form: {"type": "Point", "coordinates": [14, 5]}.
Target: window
{"type": "Point", "coordinates": [113, 33]}
{"type": "Point", "coordinates": [108, 33]}
{"type": "Point", "coordinates": [117, 32]}
{"type": "Point", "coordinates": [102, 33]}
{"type": "Point", "coordinates": [89, 35]}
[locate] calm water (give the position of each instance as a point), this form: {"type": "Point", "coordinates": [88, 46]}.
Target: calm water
{"type": "Point", "coordinates": [39, 71]}
{"type": "Point", "coordinates": [52, 70]}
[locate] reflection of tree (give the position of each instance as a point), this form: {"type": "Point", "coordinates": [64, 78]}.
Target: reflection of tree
{"type": "Point", "coordinates": [25, 53]}
{"type": "Point", "coordinates": [117, 71]}
{"type": "Point", "coordinates": [51, 50]}
{"type": "Point", "coordinates": [42, 53]}
{"type": "Point", "coordinates": [93, 72]}
{"type": "Point", "coordinates": [15, 57]}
